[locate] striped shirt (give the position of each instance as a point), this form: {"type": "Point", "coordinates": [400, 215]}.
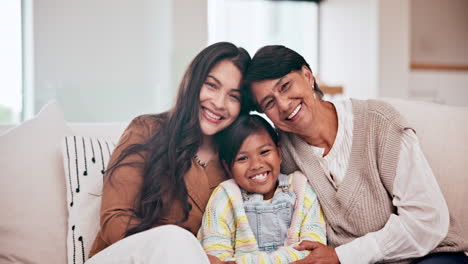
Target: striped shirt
{"type": "Point", "coordinates": [225, 231]}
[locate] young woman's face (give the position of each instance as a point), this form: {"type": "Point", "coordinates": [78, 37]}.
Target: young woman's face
{"type": "Point", "coordinates": [288, 101]}
{"type": "Point", "coordinates": [257, 164]}
{"type": "Point", "coordinates": [220, 98]}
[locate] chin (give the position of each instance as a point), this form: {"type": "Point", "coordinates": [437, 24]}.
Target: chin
{"type": "Point", "coordinates": [210, 131]}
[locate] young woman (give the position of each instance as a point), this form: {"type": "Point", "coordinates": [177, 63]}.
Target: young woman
{"type": "Point", "coordinates": [260, 214]}
{"type": "Point", "coordinates": [165, 167]}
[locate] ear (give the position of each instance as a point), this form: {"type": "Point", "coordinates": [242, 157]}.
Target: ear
{"type": "Point", "coordinates": [226, 168]}
{"type": "Point", "coordinates": [308, 74]}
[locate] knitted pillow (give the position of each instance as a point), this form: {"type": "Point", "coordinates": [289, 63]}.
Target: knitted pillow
{"type": "Point", "coordinates": [85, 160]}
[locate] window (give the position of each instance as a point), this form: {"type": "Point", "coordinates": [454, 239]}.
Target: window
{"type": "Point", "coordinates": [253, 24]}
{"type": "Point", "coordinates": [11, 62]}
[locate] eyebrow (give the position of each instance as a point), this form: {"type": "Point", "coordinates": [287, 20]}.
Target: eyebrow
{"type": "Point", "coordinates": [214, 78]}
{"type": "Point", "coordinates": [274, 86]}
{"type": "Point", "coordinates": [219, 83]}
{"type": "Point", "coordinates": [262, 146]}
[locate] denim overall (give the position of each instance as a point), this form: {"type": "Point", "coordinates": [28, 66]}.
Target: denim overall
{"type": "Point", "coordinates": [270, 220]}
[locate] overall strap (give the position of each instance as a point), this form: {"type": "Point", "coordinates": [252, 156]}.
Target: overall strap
{"type": "Point", "coordinates": [283, 182]}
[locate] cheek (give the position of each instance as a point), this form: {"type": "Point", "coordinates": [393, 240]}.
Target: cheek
{"type": "Point", "coordinates": [238, 173]}
{"type": "Point", "coordinates": [203, 94]}
{"type": "Point", "coordinates": [274, 117]}
{"type": "Point", "coordinates": [275, 160]}
{"type": "Point", "coordinates": [233, 108]}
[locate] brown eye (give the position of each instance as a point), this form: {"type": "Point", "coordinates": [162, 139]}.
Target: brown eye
{"type": "Point", "coordinates": [235, 96]}
{"type": "Point", "coordinates": [265, 151]}
{"type": "Point", "coordinates": [284, 87]}
{"type": "Point", "coordinates": [268, 105]}
{"type": "Point", "coordinates": [211, 85]}
{"type": "Point", "coordinates": [241, 158]}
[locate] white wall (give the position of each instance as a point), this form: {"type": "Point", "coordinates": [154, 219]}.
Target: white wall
{"type": "Point", "coordinates": [439, 31]}
{"type": "Point", "coordinates": [367, 46]}
{"type": "Point", "coordinates": [190, 33]}
{"type": "Point", "coordinates": [349, 46]}
{"type": "Point", "coordinates": [394, 43]}
{"type": "Point", "coordinates": [111, 60]}
{"type": "Point", "coordinates": [439, 35]}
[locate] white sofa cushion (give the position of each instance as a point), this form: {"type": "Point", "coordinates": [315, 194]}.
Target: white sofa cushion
{"type": "Point", "coordinates": [33, 222]}
{"type": "Point", "coordinates": [442, 131]}
{"type": "Point", "coordinates": [84, 161]}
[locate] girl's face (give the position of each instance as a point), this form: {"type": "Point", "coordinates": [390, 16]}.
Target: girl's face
{"type": "Point", "coordinates": [220, 98]}
{"type": "Point", "coordinates": [257, 164]}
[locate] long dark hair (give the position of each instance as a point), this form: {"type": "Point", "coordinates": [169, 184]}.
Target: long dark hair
{"type": "Point", "coordinates": [230, 139]}
{"type": "Point", "coordinates": [273, 62]}
{"type": "Point", "coordinates": [169, 152]}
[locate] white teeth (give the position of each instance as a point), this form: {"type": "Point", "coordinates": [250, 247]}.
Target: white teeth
{"type": "Point", "coordinates": [259, 176]}
{"type": "Point", "coordinates": [295, 111]}
{"type": "Point", "coordinates": [212, 115]}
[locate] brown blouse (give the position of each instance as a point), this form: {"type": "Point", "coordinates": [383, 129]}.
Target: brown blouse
{"type": "Point", "coordinates": [118, 197]}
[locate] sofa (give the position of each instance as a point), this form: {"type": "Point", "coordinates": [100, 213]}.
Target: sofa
{"type": "Point", "coordinates": [52, 176]}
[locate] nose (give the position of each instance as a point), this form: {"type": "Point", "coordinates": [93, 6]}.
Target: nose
{"type": "Point", "coordinates": [283, 104]}
{"type": "Point", "coordinates": [256, 164]}
{"type": "Point", "coordinates": [218, 100]}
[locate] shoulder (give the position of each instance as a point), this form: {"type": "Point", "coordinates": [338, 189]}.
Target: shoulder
{"type": "Point", "coordinates": [379, 112]}
{"type": "Point", "coordinates": [142, 127]}
{"type": "Point", "coordinates": [379, 108]}
{"type": "Point", "coordinates": [297, 179]}
{"type": "Point", "coordinates": [226, 190]}
{"type": "Point", "coordinates": [149, 122]}
{"type": "Point", "coordinates": [231, 190]}
{"type": "Point", "coordinates": [301, 186]}
{"type": "Point", "coordinates": [225, 196]}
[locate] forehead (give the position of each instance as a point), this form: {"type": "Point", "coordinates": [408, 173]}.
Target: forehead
{"type": "Point", "coordinates": [256, 139]}
{"type": "Point", "coordinates": [262, 88]}
{"type": "Point", "coordinates": [226, 70]}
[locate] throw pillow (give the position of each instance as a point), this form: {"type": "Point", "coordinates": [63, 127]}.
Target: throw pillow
{"type": "Point", "coordinates": [85, 160]}
{"type": "Point", "coordinates": [34, 216]}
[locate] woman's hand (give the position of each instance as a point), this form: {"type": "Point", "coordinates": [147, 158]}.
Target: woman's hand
{"type": "Point", "coordinates": [215, 260]}
{"type": "Point", "coordinates": [320, 254]}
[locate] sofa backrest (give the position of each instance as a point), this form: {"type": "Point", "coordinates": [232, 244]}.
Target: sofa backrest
{"type": "Point", "coordinates": [110, 131]}
{"type": "Point", "coordinates": [442, 131]}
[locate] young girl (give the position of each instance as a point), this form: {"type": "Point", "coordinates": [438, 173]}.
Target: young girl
{"type": "Point", "coordinates": [259, 214]}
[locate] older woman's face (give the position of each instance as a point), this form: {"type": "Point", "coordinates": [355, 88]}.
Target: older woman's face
{"type": "Point", "coordinates": [288, 101]}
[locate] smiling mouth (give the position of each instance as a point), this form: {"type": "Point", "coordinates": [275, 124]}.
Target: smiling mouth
{"type": "Point", "coordinates": [211, 116]}
{"type": "Point", "coordinates": [260, 178]}
{"type": "Point", "coordinates": [294, 113]}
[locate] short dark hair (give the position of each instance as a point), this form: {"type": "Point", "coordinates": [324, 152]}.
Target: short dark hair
{"type": "Point", "coordinates": [273, 62]}
{"type": "Point", "coordinates": [229, 140]}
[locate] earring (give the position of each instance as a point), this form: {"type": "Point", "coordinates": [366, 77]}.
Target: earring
{"type": "Point", "coordinates": [315, 97]}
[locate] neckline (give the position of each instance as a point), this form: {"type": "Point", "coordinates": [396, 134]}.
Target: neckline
{"type": "Point", "coordinates": [203, 164]}
{"type": "Point", "coordinates": [313, 168]}
{"type": "Point", "coordinates": [338, 138]}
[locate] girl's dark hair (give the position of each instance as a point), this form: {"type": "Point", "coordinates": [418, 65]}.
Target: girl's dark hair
{"type": "Point", "coordinates": [273, 62]}
{"type": "Point", "coordinates": [169, 152]}
{"type": "Point", "coordinates": [230, 139]}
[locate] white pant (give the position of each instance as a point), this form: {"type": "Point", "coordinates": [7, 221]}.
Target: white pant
{"type": "Point", "coordinates": [164, 244]}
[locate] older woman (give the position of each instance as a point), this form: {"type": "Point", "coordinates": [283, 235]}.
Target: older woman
{"type": "Point", "coordinates": [379, 196]}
